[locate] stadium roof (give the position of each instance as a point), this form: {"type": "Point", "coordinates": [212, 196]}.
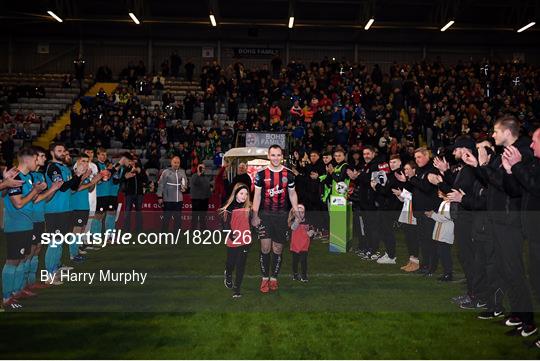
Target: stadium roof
{"type": "Point", "coordinates": [475, 16]}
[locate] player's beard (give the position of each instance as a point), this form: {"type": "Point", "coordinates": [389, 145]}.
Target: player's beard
{"type": "Point", "coordinates": [61, 158]}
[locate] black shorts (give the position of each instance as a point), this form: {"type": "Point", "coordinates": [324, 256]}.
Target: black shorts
{"type": "Point", "coordinates": [39, 229]}
{"type": "Point", "coordinates": [106, 203]}
{"type": "Point", "coordinates": [18, 244]}
{"type": "Point", "coordinates": [273, 226]}
{"type": "Point", "coordinates": [80, 217]}
{"type": "Point", "coordinates": [59, 222]}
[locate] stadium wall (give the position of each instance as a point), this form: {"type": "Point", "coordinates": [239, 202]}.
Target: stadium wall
{"type": "Point", "coordinates": [56, 56]}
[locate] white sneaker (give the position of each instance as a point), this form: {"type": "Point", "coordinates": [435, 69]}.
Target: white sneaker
{"type": "Point", "coordinates": [386, 260]}
{"type": "Point", "coordinates": [383, 258]}
{"type": "Point", "coordinates": [375, 256]}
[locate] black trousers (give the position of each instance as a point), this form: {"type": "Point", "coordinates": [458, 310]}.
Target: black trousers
{"type": "Point", "coordinates": [359, 230]}
{"type": "Point", "coordinates": [466, 248]}
{"type": "Point", "coordinates": [411, 239]}
{"type": "Point", "coordinates": [532, 231]}
{"type": "Point", "coordinates": [386, 221]}
{"type": "Point", "coordinates": [236, 260]}
{"type": "Point", "coordinates": [425, 239]}
{"type": "Point", "coordinates": [299, 258]}
{"type": "Point", "coordinates": [508, 244]}
{"type": "Point", "coordinates": [198, 214]}
{"type": "Point", "coordinates": [171, 211]}
{"type": "Point", "coordinates": [134, 202]}
{"type": "Point", "coordinates": [444, 254]}
{"type": "Point", "coordinates": [371, 227]}
{"type": "Point", "coordinates": [487, 279]}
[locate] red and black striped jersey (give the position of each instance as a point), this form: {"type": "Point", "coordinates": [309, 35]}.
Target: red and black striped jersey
{"type": "Point", "coordinates": [274, 188]}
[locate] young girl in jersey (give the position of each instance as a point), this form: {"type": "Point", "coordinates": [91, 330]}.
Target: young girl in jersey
{"type": "Point", "coordinates": [300, 239]}
{"type": "Point", "coordinates": [236, 218]}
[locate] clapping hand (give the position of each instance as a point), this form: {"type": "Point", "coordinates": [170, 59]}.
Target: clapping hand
{"type": "Point", "coordinates": [10, 174]}
{"type": "Point", "coordinates": [434, 179]}
{"type": "Point", "coordinates": [455, 195]}
{"type": "Point", "coordinates": [57, 185]}
{"type": "Point", "coordinates": [469, 158]}
{"type": "Point", "coordinates": [9, 178]}
{"type": "Point", "coordinates": [330, 169]}
{"type": "Point", "coordinates": [352, 173]}
{"type": "Point", "coordinates": [441, 164]}
{"type": "Point", "coordinates": [400, 177]}
{"type": "Point", "coordinates": [397, 192]}
{"type": "Point", "coordinates": [40, 186]}
{"type": "Point", "coordinates": [512, 155]}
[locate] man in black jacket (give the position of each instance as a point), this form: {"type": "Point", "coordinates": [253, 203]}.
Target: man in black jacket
{"type": "Point", "coordinates": [135, 181]}
{"type": "Point", "coordinates": [460, 178]}
{"type": "Point", "coordinates": [363, 199]}
{"type": "Point", "coordinates": [424, 195]}
{"type": "Point", "coordinates": [313, 203]}
{"type": "Point", "coordinates": [504, 205]}
{"type": "Point", "coordinates": [529, 178]}
{"type": "Point", "coordinates": [486, 280]}
{"type": "Point", "coordinates": [389, 210]}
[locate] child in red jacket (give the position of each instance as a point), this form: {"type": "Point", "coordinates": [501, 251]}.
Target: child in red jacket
{"type": "Point", "coordinates": [300, 239]}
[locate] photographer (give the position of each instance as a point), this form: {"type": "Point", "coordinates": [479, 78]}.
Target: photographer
{"type": "Point", "coordinates": [200, 194]}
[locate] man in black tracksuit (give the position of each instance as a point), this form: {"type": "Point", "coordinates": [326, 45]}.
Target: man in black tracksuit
{"type": "Point", "coordinates": [528, 176]}
{"type": "Point", "coordinates": [424, 195]}
{"type": "Point", "coordinates": [389, 207]}
{"type": "Point", "coordinates": [363, 199]}
{"type": "Point", "coordinates": [504, 205]}
{"type": "Point", "coordinates": [461, 178]}
{"type": "Point", "coordinates": [486, 278]}
{"type": "Point", "coordinates": [135, 181]}
{"type": "Point", "coordinates": [313, 203]}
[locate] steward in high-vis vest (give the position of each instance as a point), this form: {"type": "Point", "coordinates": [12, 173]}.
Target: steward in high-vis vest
{"type": "Point", "coordinates": [336, 181]}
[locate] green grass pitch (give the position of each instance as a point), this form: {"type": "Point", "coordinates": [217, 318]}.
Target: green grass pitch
{"type": "Point", "coordinates": [349, 309]}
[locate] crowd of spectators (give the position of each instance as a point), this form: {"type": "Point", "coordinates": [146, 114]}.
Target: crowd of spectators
{"type": "Point", "coordinates": [322, 105]}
